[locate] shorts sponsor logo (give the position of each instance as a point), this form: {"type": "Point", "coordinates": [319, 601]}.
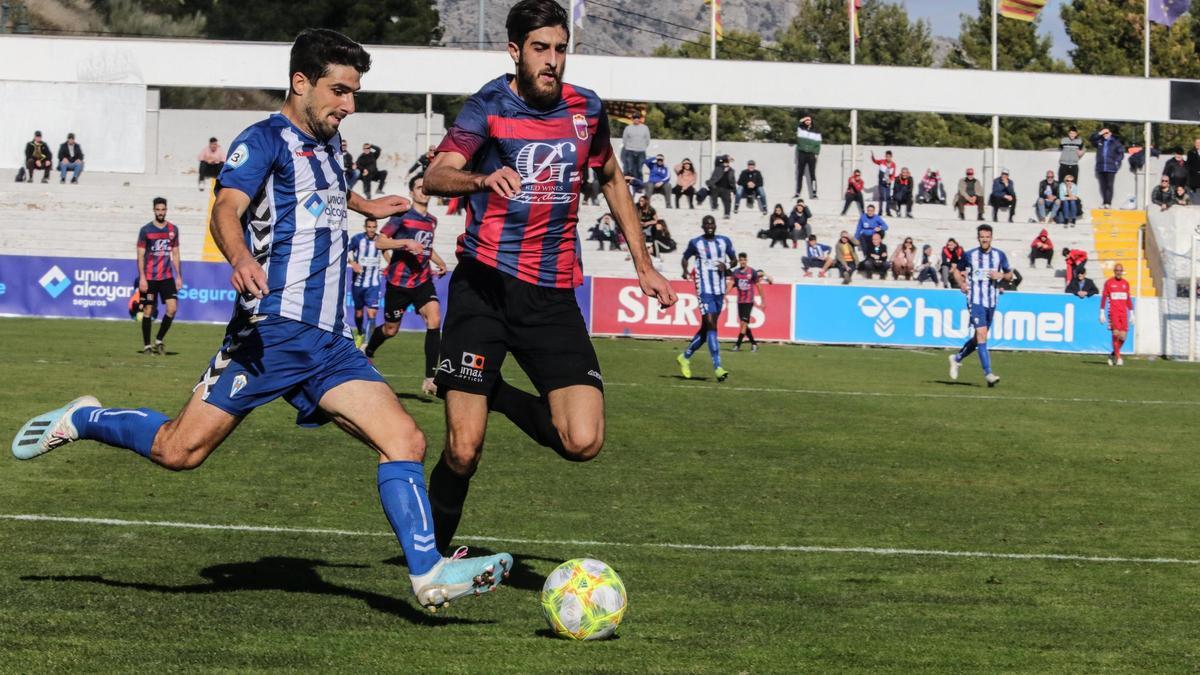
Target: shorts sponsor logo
{"type": "Point", "coordinates": [472, 367]}
{"type": "Point", "coordinates": [54, 281]}
{"type": "Point", "coordinates": [595, 375]}
{"type": "Point", "coordinates": [884, 310]}
{"type": "Point", "coordinates": [239, 383]}
{"type": "Point", "coordinates": [238, 157]}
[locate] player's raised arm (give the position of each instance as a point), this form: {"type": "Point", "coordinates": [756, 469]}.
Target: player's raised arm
{"type": "Point", "coordinates": [226, 227]}
{"type": "Point", "coordinates": [616, 193]}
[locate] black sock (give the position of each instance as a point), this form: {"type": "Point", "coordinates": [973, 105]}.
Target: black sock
{"type": "Point", "coordinates": [750, 336]}
{"type": "Point", "coordinates": [447, 494]}
{"type": "Point", "coordinates": [741, 336]}
{"type": "Point", "coordinates": [433, 339]}
{"type": "Point", "coordinates": [147, 322]}
{"type": "Point", "coordinates": [530, 413]}
{"type": "Point", "coordinates": [378, 337]}
{"type": "Point", "coordinates": [358, 319]}
{"type": "Point", "coordinates": [164, 326]}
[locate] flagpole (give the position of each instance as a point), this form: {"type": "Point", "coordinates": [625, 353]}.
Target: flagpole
{"type": "Point", "coordinates": [712, 54]}
{"type": "Point", "coordinates": [852, 15]}
{"type": "Point", "coordinates": [1146, 129]}
{"type": "Point", "coordinates": [995, 118]}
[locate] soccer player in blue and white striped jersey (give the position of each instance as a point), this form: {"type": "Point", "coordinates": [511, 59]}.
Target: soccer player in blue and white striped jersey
{"type": "Point", "coordinates": [280, 220]}
{"type": "Point", "coordinates": [365, 284]}
{"type": "Point", "coordinates": [715, 257]}
{"type": "Point", "coordinates": [979, 273]}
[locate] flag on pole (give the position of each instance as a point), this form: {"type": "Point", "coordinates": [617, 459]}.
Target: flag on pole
{"type": "Point", "coordinates": [855, 5]}
{"type": "Point", "coordinates": [1165, 12]}
{"type": "Point", "coordinates": [1021, 10]}
{"type": "Point", "coordinates": [578, 11]}
{"type": "Point", "coordinates": [720, 30]}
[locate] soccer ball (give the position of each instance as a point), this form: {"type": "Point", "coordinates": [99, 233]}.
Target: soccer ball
{"type": "Point", "coordinates": [583, 599]}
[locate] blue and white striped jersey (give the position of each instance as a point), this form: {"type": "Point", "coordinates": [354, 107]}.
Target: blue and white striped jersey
{"type": "Point", "coordinates": [710, 255]}
{"type": "Point", "coordinates": [296, 223]}
{"type": "Point", "coordinates": [363, 252]}
{"type": "Point", "coordinates": [977, 264]}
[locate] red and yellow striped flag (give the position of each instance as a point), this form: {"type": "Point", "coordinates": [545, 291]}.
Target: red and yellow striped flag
{"type": "Point", "coordinates": [1021, 10]}
{"type": "Point", "coordinates": [855, 5]}
{"type": "Point", "coordinates": [720, 29]}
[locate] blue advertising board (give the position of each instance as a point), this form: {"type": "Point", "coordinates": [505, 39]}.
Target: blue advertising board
{"type": "Point", "coordinates": [915, 317]}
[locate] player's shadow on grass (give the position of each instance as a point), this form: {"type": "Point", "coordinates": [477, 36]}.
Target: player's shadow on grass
{"type": "Point", "coordinates": [521, 577]}
{"type": "Point", "coordinates": [694, 378]}
{"type": "Point", "coordinates": [952, 383]}
{"type": "Point", "coordinates": [293, 575]}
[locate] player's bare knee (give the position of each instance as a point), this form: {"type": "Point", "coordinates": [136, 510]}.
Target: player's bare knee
{"type": "Point", "coordinates": [583, 444]}
{"type": "Point", "coordinates": [462, 452]}
{"type": "Point", "coordinates": [390, 329]}
{"type": "Point", "coordinates": [409, 446]}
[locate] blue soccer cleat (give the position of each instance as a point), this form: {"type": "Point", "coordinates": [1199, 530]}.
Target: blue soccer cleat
{"type": "Point", "coordinates": [456, 576]}
{"type": "Point", "coordinates": [49, 430]}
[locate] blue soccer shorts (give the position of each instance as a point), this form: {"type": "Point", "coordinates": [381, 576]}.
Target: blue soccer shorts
{"type": "Point", "coordinates": [711, 303]}
{"type": "Point", "coordinates": [981, 317]}
{"type": "Point", "coordinates": [273, 357]}
{"type": "Point", "coordinates": [365, 296]}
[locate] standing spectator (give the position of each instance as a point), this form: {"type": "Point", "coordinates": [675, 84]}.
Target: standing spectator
{"type": "Point", "coordinates": [1070, 152]}
{"type": "Point", "coordinates": [589, 191]}
{"type": "Point", "coordinates": [904, 260]}
{"type": "Point", "coordinates": [722, 184]}
{"type": "Point", "coordinates": [927, 268]}
{"type": "Point", "coordinates": [635, 140]}
{"type": "Point", "coordinates": [1176, 169]}
{"type": "Point", "coordinates": [685, 182]}
{"type": "Point", "coordinates": [808, 146]}
{"type": "Point", "coordinates": [1047, 199]}
{"type": "Point", "coordinates": [1164, 194]}
{"type": "Point", "coordinates": [844, 257]}
{"type": "Point", "coordinates": [777, 227]}
{"type": "Point", "coordinates": [352, 174]}
{"type": "Point", "coordinates": [368, 168]}
{"type": "Point", "coordinates": [1110, 152]}
{"type": "Point", "coordinates": [951, 254]}
{"type": "Point", "coordinates": [1042, 249]}
{"type": "Point", "coordinates": [418, 167]}
{"type": "Point", "coordinates": [70, 158]}
{"type": "Point", "coordinates": [1081, 286]}
{"type": "Point", "coordinates": [1075, 259]}
{"type": "Point", "coordinates": [750, 184]}
{"type": "Point", "coordinates": [798, 227]}
{"type": "Point", "coordinates": [1193, 167]}
{"type": "Point", "coordinates": [902, 192]}
{"type": "Point", "coordinates": [1004, 196]}
{"type": "Point", "coordinates": [816, 255]}
{"type": "Point", "coordinates": [970, 193]}
{"type": "Point", "coordinates": [659, 180]}
{"type": "Point", "coordinates": [870, 223]}
{"type": "Point", "coordinates": [37, 156]}
{"type": "Point", "coordinates": [875, 258]}
{"type": "Point", "coordinates": [931, 190]}
{"type": "Point", "coordinates": [887, 174]}
{"type": "Point", "coordinates": [211, 158]}
{"type": "Point", "coordinates": [1068, 198]}
{"type": "Point", "coordinates": [854, 192]}
{"type": "Point", "coordinates": [1182, 198]}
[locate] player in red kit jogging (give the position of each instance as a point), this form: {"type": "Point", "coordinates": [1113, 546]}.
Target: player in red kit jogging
{"type": "Point", "coordinates": [159, 276]}
{"type": "Point", "coordinates": [1118, 302]}
{"type": "Point", "coordinates": [517, 154]}
{"type": "Point", "coordinates": [745, 280]}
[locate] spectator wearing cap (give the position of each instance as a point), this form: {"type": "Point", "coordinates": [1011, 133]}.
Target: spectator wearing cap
{"type": "Point", "coordinates": [70, 158]}
{"type": "Point", "coordinates": [659, 180]}
{"type": "Point", "coordinates": [1110, 152]}
{"type": "Point", "coordinates": [970, 193]}
{"type": "Point", "coordinates": [750, 184]}
{"type": "Point", "coordinates": [1081, 286]}
{"type": "Point", "coordinates": [37, 156]}
{"type": "Point", "coordinates": [722, 183]}
{"type": "Point", "coordinates": [1176, 169]}
{"type": "Point", "coordinates": [1004, 196]}
{"type": "Point", "coordinates": [635, 140]}
{"type": "Point", "coordinates": [212, 157]}
{"type": "Point", "coordinates": [1042, 248]}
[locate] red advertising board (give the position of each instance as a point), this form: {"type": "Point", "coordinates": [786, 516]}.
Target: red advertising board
{"type": "Point", "coordinates": [620, 308]}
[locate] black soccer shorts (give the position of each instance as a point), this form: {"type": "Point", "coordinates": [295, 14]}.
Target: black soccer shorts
{"type": "Point", "coordinates": [397, 299]}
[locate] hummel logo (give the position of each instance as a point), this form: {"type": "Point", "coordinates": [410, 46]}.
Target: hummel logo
{"type": "Point", "coordinates": [54, 281]}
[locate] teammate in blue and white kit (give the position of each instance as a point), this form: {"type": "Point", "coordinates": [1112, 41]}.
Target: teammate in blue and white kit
{"type": "Point", "coordinates": [714, 256]}
{"type": "Point", "coordinates": [364, 285]}
{"type": "Point", "coordinates": [979, 273]}
{"type": "Point", "coordinates": [280, 220]}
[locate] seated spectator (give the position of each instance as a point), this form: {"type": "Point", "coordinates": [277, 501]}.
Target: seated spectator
{"type": "Point", "coordinates": [1074, 259]}
{"type": "Point", "coordinates": [685, 182]}
{"type": "Point", "coordinates": [647, 216]}
{"type": "Point", "coordinates": [1163, 195]}
{"type": "Point", "coordinates": [816, 255]}
{"type": "Point", "coordinates": [604, 231]}
{"type": "Point", "coordinates": [1011, 284]}
{"type": "Point", "coordinates": [37, 156]}
{"type": "Point", "coordinates": [1175, 169]}
{"type": "Point", "coordinates": [1068, 197]}
{"type": "Point", "coordinates": [904, 260]}
{"type": "Point", "coordinates": [659, 179]}
{"type": "Point", "coordinates": [854, 192]}
{"type": "Point", "coordinates": [70, 158]}
{"type": "Point", "coordinates": [635, 185]}
{"type": "Point", "coordinates": [868, 224]}
{"type": "Point", "coordinates": [777, 227]}
{"type": "Point", "coordinates": [844, 257]}
{"type": "Point", "coordinates": [212, 158]}
{"type": "Point", "coordinates": [1182, 198]}
{"type": "Point", "coordinates": [1047, 199]}
{"type": "Point", "coordinates": [1081, 286]}
{"type": "Point", "coordinates": [721, 184]}
{"type": "Point", "coordinates": [1004, 196]}
{"type": "Point", "coordinates": [750, 184]}
{"type": "Point", "coordinates": [348, 168]}
{"type": "Point", "coordinates": [798, 227]}
{"type": "Point", "coordinates": [661, 237]}
{"type": "Point", "coordinates": [875, 258]}
{"type": "Point", "coordinates": [1042, 249]}
{"type": "Point", "coordinates": [951, 254]}
{"type": "Point", "coordinates": [927, 266]}
{"type": "Point", "coordinates": [368, 168]}
{"type": "Point", "coordinates": [931, 190]}
{"type": "Point", "coordinates": [902, 192]}
{"type": "Point", "coordinates": [970, 193]}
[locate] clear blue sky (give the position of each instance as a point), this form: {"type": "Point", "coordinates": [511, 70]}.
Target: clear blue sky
{"type": "Point", "coordinates": [944, 17]}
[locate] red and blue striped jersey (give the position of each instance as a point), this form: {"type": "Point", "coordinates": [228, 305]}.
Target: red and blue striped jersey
{"type": "Point", "coordinates": [158, 243]}
{"type": "Point", "coordinates": [744, 279]}
{"type": "Point", "coordinates": [407, 270]}
{"type": "Point", "coordinates": [531, 236]}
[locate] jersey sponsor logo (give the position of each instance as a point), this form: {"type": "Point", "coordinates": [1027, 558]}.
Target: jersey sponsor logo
{"type": "Point", "coordinates": [238, 157]}
{"type": "Point", "coordinates": [54, 281]}
{"type": "Point", "coordinates": [885, 311]}
{"type": "Point", "coordinates": [315, 205]}
{"type": "Point", "coordinates": [581, 126]}
{"type": "Point", "coordinates": [239, 383]}
{"type": "Point", "coordinates": [547, 172]}
{"type": "Point", "coordinates": [1118, 295]}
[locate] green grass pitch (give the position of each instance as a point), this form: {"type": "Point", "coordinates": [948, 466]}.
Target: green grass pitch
{"type": "Point", "coordinates": [822, 461]}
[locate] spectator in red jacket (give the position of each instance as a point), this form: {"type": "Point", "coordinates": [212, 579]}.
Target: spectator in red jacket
{"type": "Point", "coordinates": [1074, 258]}
{"type": "Point", "coordinates": [1042, 248]}
{"type": "Point", "coordinates": [854, 192]}
{"type": "Point", "coordinates": [951, 253]}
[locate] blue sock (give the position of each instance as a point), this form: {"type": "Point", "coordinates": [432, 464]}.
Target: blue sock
{"type": "Point", "coordinates": [714, 348]}
{"type": "Point", "coordinates": [697, 340]}
{"type": "Point", "coordinates": [122, 427]}
{"type": "Point", "coordinates": [985, 358]}
{"type": "Point", "coordinates": [967, 349]}
{"type": "Point", "coordinates": [406, 504]}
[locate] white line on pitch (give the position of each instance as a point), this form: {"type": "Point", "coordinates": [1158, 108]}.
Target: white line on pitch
{"type": "Point", "coordinates": [735, 548]}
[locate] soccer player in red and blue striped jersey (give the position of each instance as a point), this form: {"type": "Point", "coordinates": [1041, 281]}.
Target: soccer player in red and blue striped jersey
{"type": "Point", "coordinates": [518, 153]}
{"type": "Point", "coordinates": [159, 275]}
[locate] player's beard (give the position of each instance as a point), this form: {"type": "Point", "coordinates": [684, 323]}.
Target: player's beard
{"type": "Point", "coordinates": [530, 89]}
{"type": "Point", "coordinates": [160, 219]}
{"type": "Point", "coordinates": [322, 130]}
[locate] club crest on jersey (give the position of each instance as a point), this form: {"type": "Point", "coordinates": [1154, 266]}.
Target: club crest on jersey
{"type": "Point", "coordinates": [581, 126]}
{"type": "Point", "coordinates": [239, 383]}
{"type": "Point", "coordinates": [547, 173]}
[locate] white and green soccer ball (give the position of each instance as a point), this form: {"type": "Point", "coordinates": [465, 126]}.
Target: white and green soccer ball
{"type": "Point", "coordinates": [583, 599]}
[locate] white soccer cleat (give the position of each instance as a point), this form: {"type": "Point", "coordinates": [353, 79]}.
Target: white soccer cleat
{"type": "Point", "coordinates": [49, 430]}
{"type": "Point", "coordinates": [458, 576]}
{"type": "Point", "coordinates": [1110, 360]}
{"type": "Point", "coordinates": [954, 366]}
{"type": "Point", "coordinates": [428, 387]}
{"type": "Point", "coordinates": [992, 379]}
{"type": "Point", "coordinates": [1120, 361]}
